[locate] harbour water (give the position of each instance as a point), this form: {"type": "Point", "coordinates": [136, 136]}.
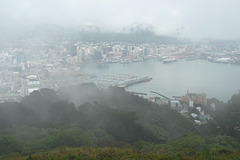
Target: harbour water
{"type": "Point", "coordinates": [175, 79]}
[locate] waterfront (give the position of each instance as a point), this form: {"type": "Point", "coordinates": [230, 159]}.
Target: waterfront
{"type": "Point", "coordinates": [175, 79]}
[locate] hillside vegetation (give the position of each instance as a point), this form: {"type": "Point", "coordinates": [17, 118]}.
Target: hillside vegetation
{"type": "Point", "coordinates": [192, 147]}
{"type": "Point", "coordinates": [85, 116]}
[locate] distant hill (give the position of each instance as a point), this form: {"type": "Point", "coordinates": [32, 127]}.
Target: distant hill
{"type": "Point", "coordinates": [140, 36]}
{"type": "Point", "coordinates": [93, 34]}
{"type": "Point", "coordinates": [136, 34]}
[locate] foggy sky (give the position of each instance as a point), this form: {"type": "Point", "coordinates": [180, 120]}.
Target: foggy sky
{"type": "Point", "coordinates": [196, 19]}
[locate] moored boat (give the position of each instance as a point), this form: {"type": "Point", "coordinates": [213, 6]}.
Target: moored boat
{"type": "Point", "coordinates": [169, 60]}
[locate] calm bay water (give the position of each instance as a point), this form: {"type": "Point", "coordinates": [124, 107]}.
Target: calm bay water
{"type": "Point", "coordinates": [175, 79]}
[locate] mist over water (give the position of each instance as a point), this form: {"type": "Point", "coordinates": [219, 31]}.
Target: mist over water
{"type": "Point", "coordinates": [175, 79]}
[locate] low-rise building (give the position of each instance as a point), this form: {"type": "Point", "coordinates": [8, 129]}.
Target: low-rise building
{"type": "Point", "coordinates": [196, 98]}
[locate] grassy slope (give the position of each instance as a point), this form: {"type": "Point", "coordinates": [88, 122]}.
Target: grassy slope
{"type": "Point", "coordinates": [122, 154]}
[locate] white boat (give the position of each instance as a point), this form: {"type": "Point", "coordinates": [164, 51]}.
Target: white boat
{"type": "Point", "coordinates": [169, 60]}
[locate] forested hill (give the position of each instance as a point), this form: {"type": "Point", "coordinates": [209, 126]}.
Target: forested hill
{"type": "Point", "coordinates": [160, 119]}
{"type": "Point", "coordinates": [86, 116]}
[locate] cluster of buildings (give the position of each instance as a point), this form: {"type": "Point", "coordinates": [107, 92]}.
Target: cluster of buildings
{"type": "Point", "coordinates": [191, 105]}
{"type": "Point", "coordinates": [30, 64]}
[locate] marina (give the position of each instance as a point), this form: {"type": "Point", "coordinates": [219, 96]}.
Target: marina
{"type": "Point", "coordinates": [120, 80]}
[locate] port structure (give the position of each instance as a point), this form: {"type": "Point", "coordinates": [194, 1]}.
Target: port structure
{"type": "Point", "coordinates": [138, 93]}
{"type": "Point", "coordinates": [160, 95]}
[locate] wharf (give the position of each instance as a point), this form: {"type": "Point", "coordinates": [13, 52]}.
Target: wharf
{"type": "Point", "coordinates": [121, 80]}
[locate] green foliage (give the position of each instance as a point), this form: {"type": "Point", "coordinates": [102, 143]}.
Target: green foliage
{"type": "Point", "coordinates": [125, 117]}
{"type": "Point", "coordinates": [27, 140]}
{"type": "Point", "coordinates": [197, 147]}
{"type": "Point", "coordinates": [227, 117]}
{"type": "Point", "coordinates": [73, 137]}
{"type": "Point", "coordinates": [9, 144]}
{"type": "Point", "coordinates": [169, 151]}
{"type": "Point", "coordinates": [102, 138]}
{"type": "Point", "coordinates": [113, 118]}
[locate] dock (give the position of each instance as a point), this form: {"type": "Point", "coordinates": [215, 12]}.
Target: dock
{"type": "Point", "coordinates": [121, 80]}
